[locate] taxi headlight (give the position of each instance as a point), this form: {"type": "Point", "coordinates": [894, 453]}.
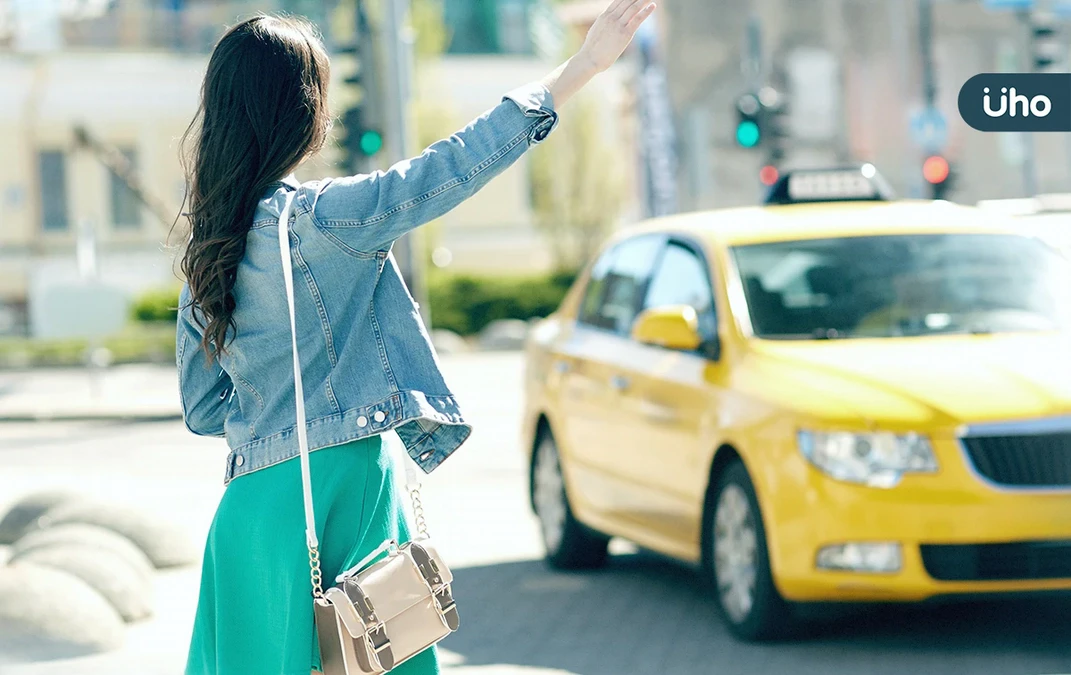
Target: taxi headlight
{"type": "Point", "coordinates": [874, 459]}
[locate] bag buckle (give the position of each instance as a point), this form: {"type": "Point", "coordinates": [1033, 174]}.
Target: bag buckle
{"type": "Point", "coordinates": [447, 607]}
{"type": "Point", "coordinates": [377, 636]}
{"type": "Point", "coordinates": [380, 644]}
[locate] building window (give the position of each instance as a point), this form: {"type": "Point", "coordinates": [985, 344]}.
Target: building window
{"type": "Point", "coordinates": [52, 168]}
{"type": "Point", "coordinates": [126, 207]}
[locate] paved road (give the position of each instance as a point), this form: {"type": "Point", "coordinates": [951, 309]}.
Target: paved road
{"type": "Point", "coordinates": [642, 615]}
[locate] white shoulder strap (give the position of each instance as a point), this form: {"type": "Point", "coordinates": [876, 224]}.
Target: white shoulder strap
{"type": "Point", "coordinates": [299, 391]}
{"type": "Point", "coordinates": [412, 483]}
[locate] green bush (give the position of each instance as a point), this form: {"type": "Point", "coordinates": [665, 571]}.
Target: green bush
{"type": "Point", "coordinates": [465, 303]}
{"type": "Point", "coordinates": [156, 306]}
{"type": "Point", "coordinates": [138, 343]}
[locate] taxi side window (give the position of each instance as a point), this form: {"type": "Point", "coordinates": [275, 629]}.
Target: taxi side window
{"type": "Point", "coordinates": [619, 283]}
{"type": "Point", "coordinates": [589, 308]}
{"type": "Point", "coordinates": [682, 279]}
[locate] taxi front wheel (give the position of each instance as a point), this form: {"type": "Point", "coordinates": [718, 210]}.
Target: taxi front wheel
{"type": "Point", "coordinates": [569, 544]}
{"type": "Point", "coordinates": [736, 561]}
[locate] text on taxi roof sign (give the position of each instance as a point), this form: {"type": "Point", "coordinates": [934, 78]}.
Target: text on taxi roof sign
{"type": "Point", "coordinates": [833, 185]}
{"type": "Point", "coordinates": [829, 185]}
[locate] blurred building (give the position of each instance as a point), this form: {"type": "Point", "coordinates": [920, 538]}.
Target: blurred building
{"type": "Point", "coordinates": [129, 71]}
{"type": "Point", "coordinates": [853, 73]}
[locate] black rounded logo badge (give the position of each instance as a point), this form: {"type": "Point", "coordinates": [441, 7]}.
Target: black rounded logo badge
{"type": "Point", "coordinates": [1017, 102]}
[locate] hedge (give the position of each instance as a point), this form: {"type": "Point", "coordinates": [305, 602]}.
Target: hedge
{"type": "Point", "coordinates": [465, 304]}
{"type": "Point", "coordinates": [462, 303]}
{"type": "Point", "coordinates": [155, 306]}
{"type": "Point", "coordinates": [144, 343]}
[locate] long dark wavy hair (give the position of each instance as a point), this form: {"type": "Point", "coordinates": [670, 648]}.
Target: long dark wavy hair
{"type": "Point", "coordinates": [263, 110]}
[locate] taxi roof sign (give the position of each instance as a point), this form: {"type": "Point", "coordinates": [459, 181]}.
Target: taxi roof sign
{"type": "Point", "coordinates": [847, 184]}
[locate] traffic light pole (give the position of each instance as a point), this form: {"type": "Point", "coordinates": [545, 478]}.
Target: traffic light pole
{"type": "Point", "coordinates": [1030, 168]}
{"type": "Point", "coordinates": [398, 43]}
{"type": "Point", "coordinates": [929, 81]}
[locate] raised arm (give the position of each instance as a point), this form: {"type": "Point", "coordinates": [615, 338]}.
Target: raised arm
{"type": "Point", "coordinates": [606, 41]}
{"type": "Point", "coordinates": [367, 213]}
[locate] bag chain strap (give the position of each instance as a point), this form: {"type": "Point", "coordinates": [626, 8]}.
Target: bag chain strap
{"type": "Point", "coordinates": [315, 574]}
{"type": "Point", "coordinates": [418, 511]}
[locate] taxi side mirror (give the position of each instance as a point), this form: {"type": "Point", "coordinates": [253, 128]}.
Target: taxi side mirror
{"type": "Point", "coordinates": [672, 327]}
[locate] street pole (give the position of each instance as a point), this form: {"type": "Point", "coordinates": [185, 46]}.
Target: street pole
{"type": "Point", "coordinates": [1030, 168]}
{"type": "Point", "coordinates": [399, 64]}
{"type": "Point", "coordinates": [929, 81]}
{"type": "Point", "coordinates": [752, 54]}
{"type": "Point", "coordinates": [698, 133]}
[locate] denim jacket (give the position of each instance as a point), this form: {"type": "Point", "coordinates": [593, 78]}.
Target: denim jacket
{"type": "Point", "coordinates": [367, 361]}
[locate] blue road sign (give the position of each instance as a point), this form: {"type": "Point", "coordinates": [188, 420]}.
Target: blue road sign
{"type": "Point", "coordinates": [929, 128]}
{"type": "Point", "coordinates": [1061, 8]}
{"type": "Point", "coordinates": [1008, 4]}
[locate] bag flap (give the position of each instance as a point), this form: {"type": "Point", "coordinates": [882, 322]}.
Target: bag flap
{"type": "Point", "coordinates": [393, 584]}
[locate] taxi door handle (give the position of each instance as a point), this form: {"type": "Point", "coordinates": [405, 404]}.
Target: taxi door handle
{"type": "Point", "coordinates": [619, 383]}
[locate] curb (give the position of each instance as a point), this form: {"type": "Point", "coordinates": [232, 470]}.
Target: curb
{"type": "Point", "coordinates": [83, 417]}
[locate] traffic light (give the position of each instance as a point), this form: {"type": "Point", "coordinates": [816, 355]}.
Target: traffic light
{"type": "Point", "coordinates": [762, 121]}
{"type": "Point", "coordinates": [362, 135]}
{"type": "Point", "coordinates": [768, 175]}
{"type": "Point", "coordinates": [1045, 43]}
{"type": "Point", "coordinates": [749, 121]}
{"type": "Point", "coordinates": [938, 173]}
{"type": "Point", "coordinates": [775, 129]}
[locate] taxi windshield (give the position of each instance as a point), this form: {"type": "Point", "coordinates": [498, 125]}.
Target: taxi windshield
{"type": "Point", "coordinates": [904, 285]}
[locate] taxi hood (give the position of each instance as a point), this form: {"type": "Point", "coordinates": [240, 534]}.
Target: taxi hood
{"type": "Point", "coordinates": [943, 380]}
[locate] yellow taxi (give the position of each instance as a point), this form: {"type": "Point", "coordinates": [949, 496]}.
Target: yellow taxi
{"type": "Point", "coordinates": [832, 397]}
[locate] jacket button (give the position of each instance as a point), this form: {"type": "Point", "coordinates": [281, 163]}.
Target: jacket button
{"type": "Point", "coordinates": [239, 460]}
{"type": "Point", "coordinates": [362, 421]}
{"type": "Point", "coordinates": [380, 416]}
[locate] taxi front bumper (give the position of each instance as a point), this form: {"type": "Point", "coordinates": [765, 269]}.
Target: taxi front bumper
{"type": "Point", "coordinates": [956, 534]}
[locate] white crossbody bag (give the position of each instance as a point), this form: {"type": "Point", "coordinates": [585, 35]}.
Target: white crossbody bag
{"type": "Point", "coordinates": [384, 610]}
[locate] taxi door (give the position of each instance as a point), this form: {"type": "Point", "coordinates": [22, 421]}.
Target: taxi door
{"type": "Point", "coordinates": [590, 361]}
{"type": "Point", "coordinates": [666, 399]}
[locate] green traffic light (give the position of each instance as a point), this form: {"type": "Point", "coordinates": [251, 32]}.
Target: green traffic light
{"type": "Point", "coordinates": [371, 142]}
{"type": "Point", "coordinates": [747, 134]}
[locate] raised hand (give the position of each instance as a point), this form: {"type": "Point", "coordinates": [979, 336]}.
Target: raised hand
{"type": "Point", "coordinates": [613, 31]}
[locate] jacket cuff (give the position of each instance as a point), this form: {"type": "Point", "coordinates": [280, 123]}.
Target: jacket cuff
{"type": "Point", "coordinates": [536, 102]}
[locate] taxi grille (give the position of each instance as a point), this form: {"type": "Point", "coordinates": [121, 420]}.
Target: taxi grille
{"type": "Point", "coordinates": [998, 562]}
{"type": "Point", "coordinates": [1042, 460]}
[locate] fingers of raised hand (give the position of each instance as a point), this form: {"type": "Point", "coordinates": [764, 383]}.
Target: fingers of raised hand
{"type": "Point", "coordinates": [616, 8]}
{"type": "Point", "coordinates": [625, 10]}
{"type": "Point", "coordinates": [641, 14]}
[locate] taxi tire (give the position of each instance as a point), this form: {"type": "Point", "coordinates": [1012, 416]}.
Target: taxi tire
{"type": "Point", "coordinates": [580, 547]}
{"type": "Point", "coordinates": [770, 617]}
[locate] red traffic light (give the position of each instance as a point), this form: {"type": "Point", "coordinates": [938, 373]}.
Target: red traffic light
{"type": "Point", "coordinates": [935, 169]}
{"type": "Point", "coordinates": [768, 175]}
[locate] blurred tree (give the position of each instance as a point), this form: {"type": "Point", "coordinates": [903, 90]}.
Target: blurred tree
{"type": "Point", "coordinates": [432, 35]}
{"type": "Point", "coordinates": [577, 186]}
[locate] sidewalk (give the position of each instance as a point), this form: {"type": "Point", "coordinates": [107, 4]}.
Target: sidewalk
{"type": "Point", "coordinates": [141, 392]}
{"type": "Point", "coordinates": [163, 470]}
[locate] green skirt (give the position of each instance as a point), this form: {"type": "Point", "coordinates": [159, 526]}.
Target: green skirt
{"type": "Point", "coordinates": [254, 614]}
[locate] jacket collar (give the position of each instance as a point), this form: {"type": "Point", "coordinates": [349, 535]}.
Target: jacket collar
{"type": "Point", "coordinates": [290, 181]}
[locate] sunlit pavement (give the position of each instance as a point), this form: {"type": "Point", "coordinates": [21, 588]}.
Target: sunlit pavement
{"type": "Point", "coordinates": [642, 615]}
